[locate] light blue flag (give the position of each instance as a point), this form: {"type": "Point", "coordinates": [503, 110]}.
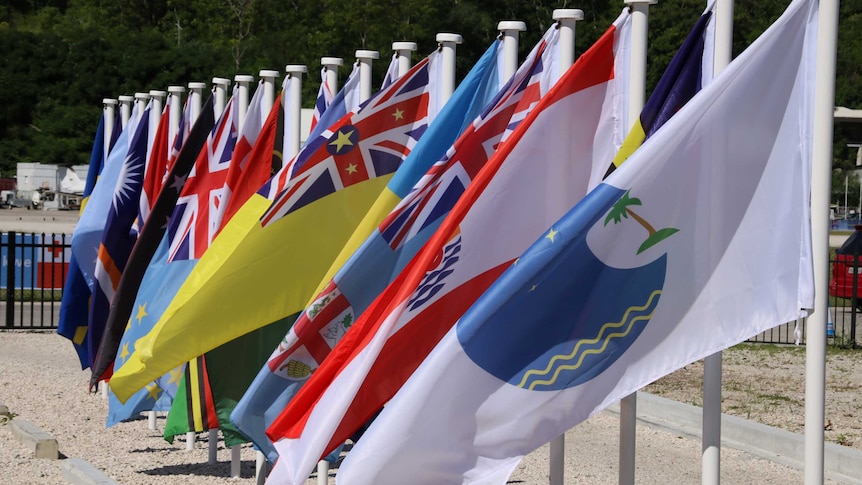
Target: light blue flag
{"type": "Point", "coordinates": [75, 304]}
{"type": "Point", "coordinates": [269, 392]}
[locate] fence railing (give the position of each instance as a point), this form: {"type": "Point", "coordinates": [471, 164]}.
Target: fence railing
{"type": "Point", "coordinates": [33, 271]}
{"type": "Point", "coordinates": [34, 266]}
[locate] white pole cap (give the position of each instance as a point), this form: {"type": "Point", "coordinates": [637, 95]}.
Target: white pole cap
{"type": "Point", "coordinates": [293, 69]}
{"type": "Point", "coordinates": [331, 61]}
{"type": "Point", "coordinates": [648, 2]}
{"type": "Point", "coordinates": [176, 89]}
{"type": "Point", "coordinates": [125, 98]}
{"type": "Point", "coordinates": [142, 96]}
{"type": "Point", "coordinates": [446, 37]}
{"type": "Point", "coordinates": [568, 14]}
{"type": "Point", "coordinates": [244, 78]}
{"type": "Point", "coordinates": [511, 25]}
{"type": "Point", "coordinates": [197, 85]}
{"type": "Point", "coordinates": [365, 54]}
{"type": "Point", "coordinates": [110, 101]}
{"type": "Point", "coordinates": [158, 94]}
{"type": "Point", "coordinates": [221, 81]}
{"type": "Point", "coordinates": [268, 73]}
{"type": "Point", "coordinates": [404, 46]}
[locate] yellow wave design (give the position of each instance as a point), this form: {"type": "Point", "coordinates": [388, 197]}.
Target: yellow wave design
{"type": "Point", "coordinates": [581, 343]}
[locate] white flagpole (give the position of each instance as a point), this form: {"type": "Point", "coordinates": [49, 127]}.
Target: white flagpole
{"type": "Point", "coordinates": [510, 30]}
{"type": "Point", "coordinates": [220, 86]}
{"type": "Point", "coordinates": [404, 51]}
{"type": "Point", "coordinates": [125, 108]}
{"type": "Point", "coordinates": [637, 98]}
{"type": "Point", "coordinates": [196, 91]}
{"type": "Point", "coordinates": [331, 65]}
{"type": "Point", "coordinates": [268, 77]}
{"type": "Point", "coordinates": [566, 19]}
{"type": "Point", "coordinates": [448, 42]}
{"type": "Point", "coordinates": [243, 81]}
{"type": "Point", "coordinates": [109, 107]}
{"type": "Point", "coordinates": [157, 98]}
{"type": "Point", "coordinates": [141, 100]}
{"type": "Point", "coordinates": [175, 93]}
{"type": "Point", "coordinates": [365, 57]}
{"type": "Point", "coordinates": [711, 413]}
{"type": "Point", "coordinates": [293, 104]}
{"type": "Point", "coordinates": [815, 340]}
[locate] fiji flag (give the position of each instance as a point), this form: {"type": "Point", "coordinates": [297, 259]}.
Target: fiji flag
{"type": "Point", "coordinates": [75, 305]}
{"type": "Point", "coordinates": [680, 242]}
{"type": "Point", "coordinates": [330, 315]}
{"type": "Point", "coordinates": [270, 255]}
{"type": "Point", "coordinates": [119, 235]}
{"type": "Point", "coordinates": [537, 174]}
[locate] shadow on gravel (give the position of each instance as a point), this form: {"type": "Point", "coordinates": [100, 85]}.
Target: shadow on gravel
{"type": "Point", "coordinates": [203, 469]}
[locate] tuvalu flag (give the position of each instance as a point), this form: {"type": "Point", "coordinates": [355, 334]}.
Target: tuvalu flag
{"type": "Point", "coordinates": [697, 234]}
{"type": "Point", "coordinates": [151, 234]}
{"type": "Point", "coordinates": [269, 256]}
{"type": "Point", "coordinates": [510, 201]}
{"type": "Point", "coordinates": [325, 320]}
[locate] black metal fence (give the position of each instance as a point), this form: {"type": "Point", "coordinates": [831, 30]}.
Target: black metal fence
{"type": "Point", "coordinates": [34, 266]}
{"type": "Point", "coordinates": [32, 276]}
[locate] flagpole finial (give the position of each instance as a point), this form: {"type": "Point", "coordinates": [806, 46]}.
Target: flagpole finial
{"type": "Point", "coordinates": [109, 101]}
{"type": "Point", "coordinates": [331, 61]}
{"type": "Point", "coordinates": [176, 89]}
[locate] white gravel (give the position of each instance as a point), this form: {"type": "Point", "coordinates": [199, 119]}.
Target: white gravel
{"type": "Point", "coordinates": [41, 382]}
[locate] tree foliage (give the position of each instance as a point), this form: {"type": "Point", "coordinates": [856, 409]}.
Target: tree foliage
{"type": "Point", "coordinates": [59, 59]}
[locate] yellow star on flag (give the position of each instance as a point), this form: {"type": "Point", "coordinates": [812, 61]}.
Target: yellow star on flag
{"type": "Point", "coordinates": [341, 140]}
{"type": "Point", "coordinates": [398, 114]}
{"type": "Point", "coordinates": [533, 288]}
{"type": "Point", "coordinates": [142, 312]}
{"type": "Point", "coordinates": [153, 390]}
{"type": "Point", "coordinates": [552, 234]}
{"type": "Point", "coordinates": [176, 374]}
{"type": "Point", "coordinates": [351, 169]}
{"type": "Point", "coordinates": [125, 353]}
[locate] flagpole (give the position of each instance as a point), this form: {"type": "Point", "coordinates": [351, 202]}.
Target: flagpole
{"type": "Point", "coordinates": [141, 100]}
{"type": "Point", "coordinates": [365, 57]}
{"type": "Point", "coordinates": [268, 77]}
{"type": "Point", "coordinates": [293, 105]}
{"type": "Point", "coordinates": [220, 86]}
{"type": "Point", "coordinates": [125, 108]}
{"type": "Point", "coordinates": [509, 31]}
{"type": "Point", "coordinates": [196, 90]}
{"type": "Point", "coordinates": [637, 98]}
{"type": "Point", "coordinates": [403, 50]}
{"type": "Point", "coordinates": [331, 65]}
{"type": "Point", "coordinates": [566, 19]}
{"type": "Point", "coordinates": [447, 44]}
{"type": "Point", "coordinates": [815, 339]}
{"type": "Point", "coordinates": [109, 109]}
{"type": "Point", "coordinates": [711, 412]}
{"type": "Point", "coordinates": [157, 98]}
{"type": "Point", "coordinates": [175, 93]}
{"type": "Point", "coordinates": [243, 81]}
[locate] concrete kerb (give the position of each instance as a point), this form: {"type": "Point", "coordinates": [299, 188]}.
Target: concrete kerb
{"type": "Point", "coordinates": [39, 442]}
{"type": "Point", "coordinates": [841, 463]}
{"type": "Point", "coordinates": [78, 472]}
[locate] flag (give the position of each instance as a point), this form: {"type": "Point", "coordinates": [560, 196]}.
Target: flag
{"type": "Point", "coordinates": [156, 167]}
{"type": "Point", "coordinates": [605, 307]}
{"type": "Point", "coordinates": [187, 234]}
{"type": "Point", "coordinates": [391, 72]}
{"type": "Point", "coordinates": [75, 303]}
{"type": "Point", "coordinates": [271, 253]}
{"type": "Point", "coordinates": [122, 306]}
{"type": "Point", "coordinates": [91, 224]}
{"type": "Point", "coordinates": [688, 71]}
{"type": "Point", "coordinates": [118, 236]}
{"type": "Point", "coordinates": [308, 343]}
{"type": "Point", "coordinates": [345, 101]}
{"type": "Point", "coordinates": [324, 98]}
{"type": "Point", "coordinates": [510, 201]}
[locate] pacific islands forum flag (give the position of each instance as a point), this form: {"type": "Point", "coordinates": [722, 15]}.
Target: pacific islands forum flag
{"type": "Point", "coordinates": [693, 245]}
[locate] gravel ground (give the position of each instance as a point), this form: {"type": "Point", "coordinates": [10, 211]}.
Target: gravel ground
{"type": "Point", "coordinates": [40, 381]}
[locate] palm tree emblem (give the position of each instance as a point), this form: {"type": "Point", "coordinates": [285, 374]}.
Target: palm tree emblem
{"type": "Point", "coordinates": [621, 210]}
